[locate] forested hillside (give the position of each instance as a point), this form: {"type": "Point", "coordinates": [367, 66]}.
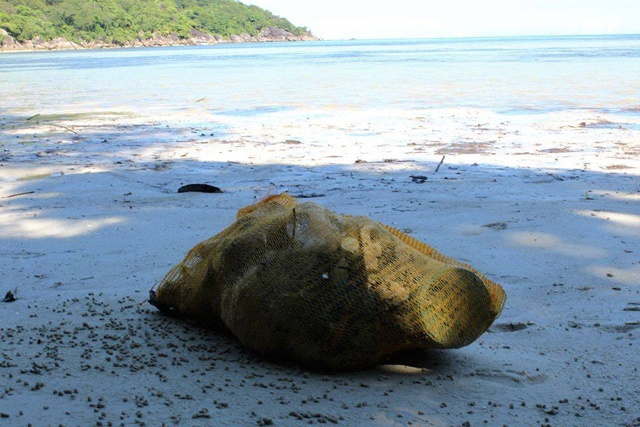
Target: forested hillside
{"type": "Point", "coordinates": [121, 21]}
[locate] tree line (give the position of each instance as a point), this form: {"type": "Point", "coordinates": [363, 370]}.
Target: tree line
{"type": "Point", "coordinates": [120, 21]}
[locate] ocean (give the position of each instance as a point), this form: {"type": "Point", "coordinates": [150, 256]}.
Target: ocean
{"type": "Point", "coordinates": [522, 75]}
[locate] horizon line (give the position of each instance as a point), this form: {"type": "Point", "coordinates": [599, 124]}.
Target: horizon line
{"type": "Point", "coordinates": [480, 37]}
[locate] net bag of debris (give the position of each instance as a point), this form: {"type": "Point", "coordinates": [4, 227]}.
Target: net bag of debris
{"type": "Point", "coordinates": [299, 281]}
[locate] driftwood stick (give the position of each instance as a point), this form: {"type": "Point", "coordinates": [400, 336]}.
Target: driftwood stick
{"type": "Point", "coordinates": [439, 164]}
{"type": "Point", "coordinates": [64, 127]}
{"type": "Point", "coordinates": [60, 126]}
{"type": "Point", "coordinates": [18, 194]}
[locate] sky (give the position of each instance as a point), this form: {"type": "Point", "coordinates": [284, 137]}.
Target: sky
{"type": "Point", "coordinates": [344, 19]}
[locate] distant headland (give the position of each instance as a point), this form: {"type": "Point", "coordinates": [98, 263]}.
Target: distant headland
{"type": "Point", "coordinates": [93, 24]}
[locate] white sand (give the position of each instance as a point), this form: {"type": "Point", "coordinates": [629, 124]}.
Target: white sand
{"type": "Point", "coordinates": [546, 205]}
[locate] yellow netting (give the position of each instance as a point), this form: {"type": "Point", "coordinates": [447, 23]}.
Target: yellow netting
{"type": "Point", "coordinates": [297, 280]}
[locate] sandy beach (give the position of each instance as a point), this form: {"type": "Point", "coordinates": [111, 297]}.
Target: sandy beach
{"type": "Point", "coordinates": [547, 205]}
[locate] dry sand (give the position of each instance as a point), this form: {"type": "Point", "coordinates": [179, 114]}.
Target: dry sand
{"type": "Point", "coordinates": [90, 218]}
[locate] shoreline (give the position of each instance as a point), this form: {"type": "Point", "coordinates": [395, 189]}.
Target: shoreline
{"type": "Point", "coordinates": [91, 218]}
{"type": "Point", "coordinates": [59, 44]}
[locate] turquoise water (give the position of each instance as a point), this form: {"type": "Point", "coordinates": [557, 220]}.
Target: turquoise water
{"type": "Point", "coordinates": [508, 75]}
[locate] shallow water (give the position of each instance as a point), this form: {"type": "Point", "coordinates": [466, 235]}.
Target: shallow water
{"type": "Point", "coordinates": [526, 75]}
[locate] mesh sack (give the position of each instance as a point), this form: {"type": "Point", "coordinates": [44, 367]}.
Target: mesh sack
{"type": "Point", "coordinates": [300, 281]}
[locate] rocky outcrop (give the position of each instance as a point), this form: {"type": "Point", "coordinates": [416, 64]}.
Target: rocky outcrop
{"type": "Point", "coordinates": [6, 41]}
{"type": "Point", "coordinates": [274, 33]}
{"type": "Point", "coordinates": [270, 34]}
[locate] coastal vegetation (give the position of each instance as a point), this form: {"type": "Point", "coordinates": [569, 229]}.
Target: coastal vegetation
{"type": "Point", "coordinates": [122, 21]}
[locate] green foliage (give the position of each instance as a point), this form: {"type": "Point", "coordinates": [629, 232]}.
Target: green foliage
{"type": "Point", "coordinates": [25, 23]}
{"type": "Point", "coordinates": [119, 21]}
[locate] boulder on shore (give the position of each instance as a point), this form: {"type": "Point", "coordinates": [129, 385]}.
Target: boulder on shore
{"type": "Point", "coordinates": [6, 41]}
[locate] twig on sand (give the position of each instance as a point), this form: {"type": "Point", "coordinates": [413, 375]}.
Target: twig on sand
{"type": "Point", "coordinates": [64, 127]}
{"type": "Point", "coordinates": [18, 194]}
{"type": "Point", "coordinates": [439, 164]}
{"type": "Point", "coordinates": [308, 196]}
{"type": "Point", "coordinates": [60, 126]}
